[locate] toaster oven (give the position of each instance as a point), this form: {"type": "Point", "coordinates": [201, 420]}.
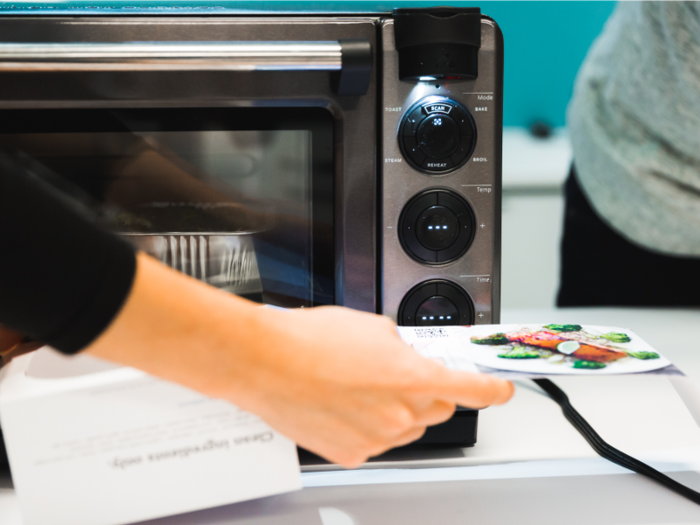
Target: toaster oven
{"type": "Point", "coordinates": [295, 160]}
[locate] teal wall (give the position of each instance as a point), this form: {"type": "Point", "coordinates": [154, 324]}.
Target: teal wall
{"type": "Point", "coordinates": [545, 41]}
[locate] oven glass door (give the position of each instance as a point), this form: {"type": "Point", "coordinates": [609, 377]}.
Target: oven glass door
{"type": "Point", "coordinates": [241, 198]}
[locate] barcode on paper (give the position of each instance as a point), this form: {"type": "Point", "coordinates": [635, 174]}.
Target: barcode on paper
{"type": "Point", "coordinates": [430, 333]}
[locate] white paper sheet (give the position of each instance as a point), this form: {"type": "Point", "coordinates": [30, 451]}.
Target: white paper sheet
{"type": "Point", "coordinates": [120, 446]}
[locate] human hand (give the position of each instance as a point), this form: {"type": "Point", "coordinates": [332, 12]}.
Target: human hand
{"type": "Point", "coordinates": [339, 382]}
{"type": "Point", "coordinates": [343, 384]}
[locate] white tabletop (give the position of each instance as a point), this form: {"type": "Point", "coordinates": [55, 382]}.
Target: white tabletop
{"type": "Point", "coordinates": [530, 465]}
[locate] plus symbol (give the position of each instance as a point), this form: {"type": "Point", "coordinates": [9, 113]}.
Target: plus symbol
{"type": "Point", "coordinates": [482, 224]}
{"type": "Point", "coordinates": [481, 315]}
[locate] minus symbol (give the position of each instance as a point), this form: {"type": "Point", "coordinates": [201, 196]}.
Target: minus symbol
{"type": "Point", "coordinates": [480, 185]}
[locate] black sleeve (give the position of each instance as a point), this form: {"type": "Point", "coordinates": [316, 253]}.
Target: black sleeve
{"type": "Point", "coordinates": [62, 278]}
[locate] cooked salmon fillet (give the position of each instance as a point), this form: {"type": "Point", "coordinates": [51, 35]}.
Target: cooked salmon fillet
{"type": "Point", "coordinates": [550, 341]}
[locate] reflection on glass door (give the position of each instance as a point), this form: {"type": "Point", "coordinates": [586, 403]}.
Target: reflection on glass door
{"type": "Point", "coordinates": [239, 198]}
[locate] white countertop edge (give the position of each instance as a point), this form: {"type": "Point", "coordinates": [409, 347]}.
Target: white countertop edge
{"type": "Point", "coordinates": [664, 461]}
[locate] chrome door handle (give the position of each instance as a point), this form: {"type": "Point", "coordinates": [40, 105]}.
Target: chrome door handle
{"type": "Point", "coordinates": [171, 56]}
{"type": "Point", "coordinates": [347, 58]}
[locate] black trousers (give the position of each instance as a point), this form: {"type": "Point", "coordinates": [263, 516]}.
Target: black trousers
{"type": "Point", "coordinates": [601, 268]}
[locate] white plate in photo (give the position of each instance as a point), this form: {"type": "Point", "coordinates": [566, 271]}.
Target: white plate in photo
{"type": "Point", "coordinates": [487, 356]}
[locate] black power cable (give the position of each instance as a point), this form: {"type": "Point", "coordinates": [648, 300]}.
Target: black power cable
{"type": "Point", "coordinates": [607, 451]}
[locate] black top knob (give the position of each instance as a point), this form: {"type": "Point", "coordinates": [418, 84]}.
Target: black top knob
{"type": "Point", "coordinates": [439, 42]}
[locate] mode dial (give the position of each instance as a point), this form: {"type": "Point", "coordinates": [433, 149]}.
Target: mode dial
{"type": "Point", "coordinates": [437, 135]}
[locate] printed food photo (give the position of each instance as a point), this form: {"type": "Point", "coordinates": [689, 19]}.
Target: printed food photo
{"type": "Point", "coordinates": [567, 348]}
{"type": "Point", "coordinates": [534, 350]}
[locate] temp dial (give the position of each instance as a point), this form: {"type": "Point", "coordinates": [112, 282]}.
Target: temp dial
{"type": "Point", "coordinates": [437, 226]}
{"type": "Point", "coordinates": [437, 135]}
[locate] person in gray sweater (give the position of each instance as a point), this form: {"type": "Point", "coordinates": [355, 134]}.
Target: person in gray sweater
{"type": "Point", "coordinates": [632, 221]}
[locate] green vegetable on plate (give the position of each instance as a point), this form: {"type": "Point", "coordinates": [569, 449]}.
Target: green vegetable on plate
{"type": "Point", "coordinates": [564, 327]}
{"type": "Point", "coordinates": [616, 337]}
{"type": "Point", "coordinates": [494, 340]}
{"type": "Point", "coordinates": [588, 365]}
{"type": "Point", "coordinates": [643, 355]}
{"type": "Point", "coordinates": [520, 352]}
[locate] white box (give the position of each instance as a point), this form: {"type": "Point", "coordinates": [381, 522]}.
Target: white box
{"type": "Point", "coordinates": [91, 443]}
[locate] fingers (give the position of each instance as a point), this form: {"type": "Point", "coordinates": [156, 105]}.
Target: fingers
{"type": "Point", "coordinates": [435, 411]}
{"type": "Point", "coordinates": [472, 390]}
{"type": "Point", "coordinates": [406, 438]}
{"type": "Point", "coordinates": [409, 437]}
{"type": "Point", "coordinates": [407, 424]}
{"type": "Point", "coordinates": [399, 426]}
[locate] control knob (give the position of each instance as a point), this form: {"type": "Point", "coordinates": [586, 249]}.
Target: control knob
{"type": "Point", "coordinates": [437, 135]}
{"type": "Point", "coordinates": [436, 303]}
{"type": "Point", "coordinates": [437, 226]}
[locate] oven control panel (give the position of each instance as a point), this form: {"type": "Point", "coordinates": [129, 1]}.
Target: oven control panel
{"type": "Point", "coordinates": [441, 186]}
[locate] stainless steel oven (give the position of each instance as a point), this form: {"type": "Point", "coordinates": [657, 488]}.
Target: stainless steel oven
{"type": "Point", "coordinates": [298, 161]}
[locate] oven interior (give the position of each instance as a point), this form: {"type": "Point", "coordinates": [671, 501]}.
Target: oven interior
{"type": "Point", "coordinates": [241, 198]}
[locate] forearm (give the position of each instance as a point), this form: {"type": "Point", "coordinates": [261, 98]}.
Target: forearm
{"type": "Point", "coordinates": [177, 328]}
